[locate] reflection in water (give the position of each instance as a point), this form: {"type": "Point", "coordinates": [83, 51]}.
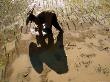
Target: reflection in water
{"type": "Point", "coordinates": [51, 54]}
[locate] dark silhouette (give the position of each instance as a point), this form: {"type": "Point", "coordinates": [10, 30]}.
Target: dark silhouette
{"type": "Point", "coordinates": [48, 18]}
{"type": "Point", "coordinates": [54, 56]}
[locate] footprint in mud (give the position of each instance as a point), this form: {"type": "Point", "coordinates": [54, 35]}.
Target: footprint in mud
{"type": "Point", "coordinates": [84, 64]}
{"type": "Point", "coordinates": [70, 45]}
{"type": "Point", "coordinates": [106, 49]}
{"type": "Point", "coordinates": [88, 55]}
{"type": "Point", "coordinates": [100, 47]}
{"type": "Point", "coordinates": [84, 61]}
{"type": "Point", "coordinates": [103, 69]}
{"type": "Point", "coordinates": [24, 75]}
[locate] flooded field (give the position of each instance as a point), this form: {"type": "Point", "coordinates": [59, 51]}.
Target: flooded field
{"type": "Point", "coordinates": [80, 54]}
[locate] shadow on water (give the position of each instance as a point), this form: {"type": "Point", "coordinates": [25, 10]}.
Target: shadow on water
{"type": "Point", "coordinates": [53, 56]}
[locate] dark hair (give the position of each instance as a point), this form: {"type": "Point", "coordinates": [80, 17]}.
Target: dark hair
{"type": "Point", "coordinates": [30, 18]}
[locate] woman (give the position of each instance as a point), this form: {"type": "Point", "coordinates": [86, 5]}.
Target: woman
{"type": "Point", "coordinates": [46, 17]}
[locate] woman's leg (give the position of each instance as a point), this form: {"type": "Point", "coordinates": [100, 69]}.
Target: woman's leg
{"type": "Point", "coordinates": [55, 23]}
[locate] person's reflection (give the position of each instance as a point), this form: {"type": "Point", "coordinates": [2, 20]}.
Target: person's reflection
{"type": "Point", "coordinates": [59, 42]}
{"type": "Point", "coordinates": [54, 57]}
{"type": "Point", "coordinates": [49, 36]}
